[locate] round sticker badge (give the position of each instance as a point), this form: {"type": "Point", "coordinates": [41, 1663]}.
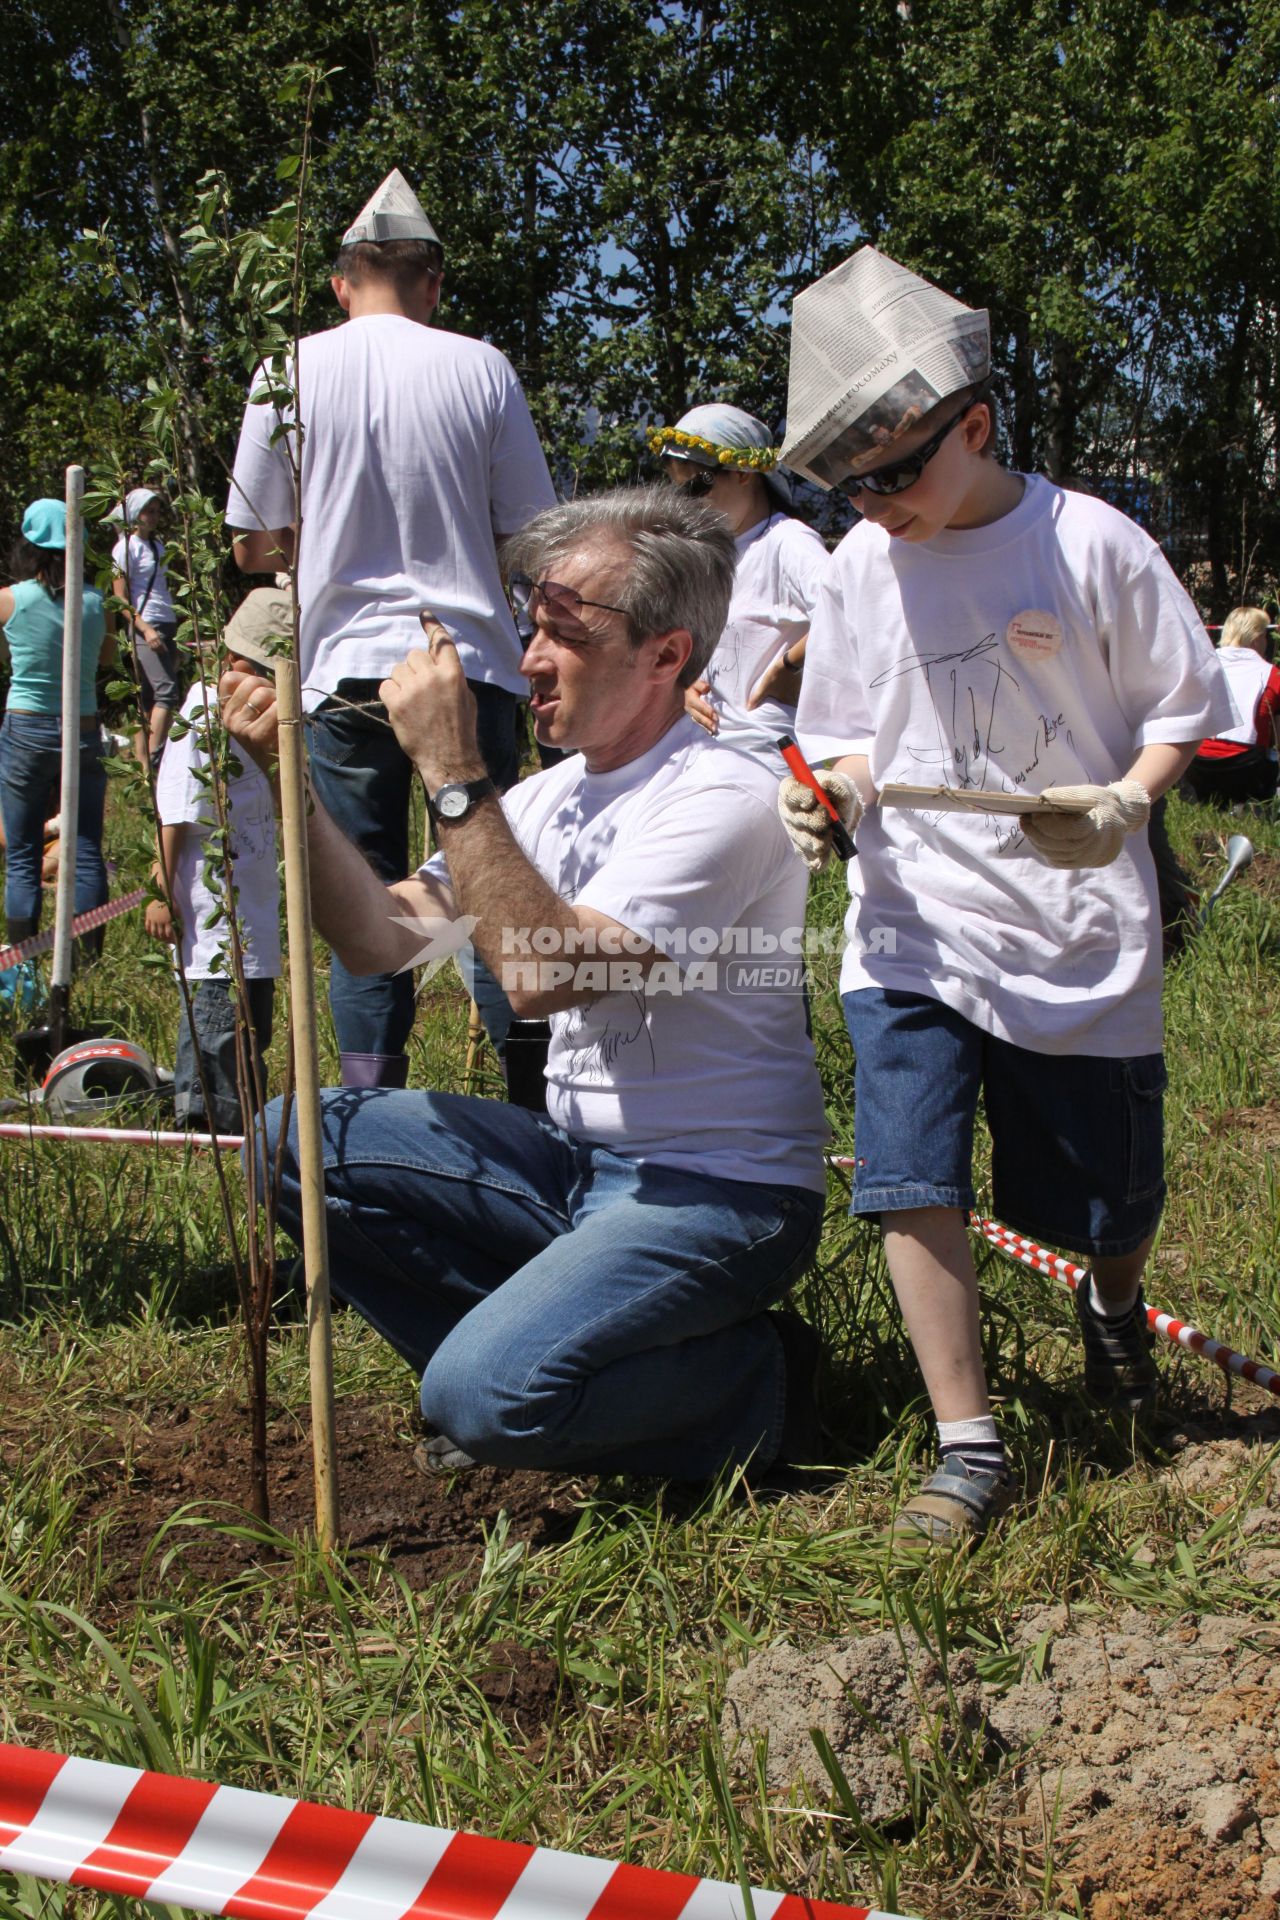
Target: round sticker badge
{"type": "Point", "coordinates": [1035, 635]}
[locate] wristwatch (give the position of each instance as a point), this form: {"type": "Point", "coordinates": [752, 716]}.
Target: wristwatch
{"type": "Point", "coordinates": [455, 799]}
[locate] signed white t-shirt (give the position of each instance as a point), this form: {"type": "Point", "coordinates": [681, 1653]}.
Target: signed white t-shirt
{"type": "Point", "coordinates": [1044, 650]}
{"type": "Point", "coordinates": [419, 450]}
{"type": "Point", "coordinates": [183, 799]}
{"type": "Point", "coordinates": [707, 1065]}
{"type": "Point", "coordinates": [781, 563]}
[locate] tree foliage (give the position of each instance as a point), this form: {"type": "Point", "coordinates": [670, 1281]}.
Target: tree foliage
{"type": "Point", "coordinates": [630, 197]}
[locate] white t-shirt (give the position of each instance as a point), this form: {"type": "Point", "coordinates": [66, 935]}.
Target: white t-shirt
{"type": "Point", "coordinates": [781, 563]}
{"type": "Point", "coordinates": [1247, 674]}
{"type": "Point", "coordinates": [182, 800]}
{"type": "Point", "coordinates": [711, 1068]}
{"type": "Point", "coordinates": [147, 590]}
{"type": "Point", "coordinates": [1042, 651]}
{"type": "Point", "coordinates": [419, 450]}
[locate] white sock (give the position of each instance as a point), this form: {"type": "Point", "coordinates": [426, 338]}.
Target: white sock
{"type": "Point", "coordinates": [1112, 1309]}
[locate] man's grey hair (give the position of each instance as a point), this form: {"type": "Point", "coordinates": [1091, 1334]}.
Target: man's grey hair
{"type": "Point", "coordinates": [681, 573]}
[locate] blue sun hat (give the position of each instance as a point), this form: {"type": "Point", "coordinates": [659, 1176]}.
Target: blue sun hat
{"type": "Point", "coordinates": [44, 524]}
{"type": "Point", "coordinates": [717, 435]}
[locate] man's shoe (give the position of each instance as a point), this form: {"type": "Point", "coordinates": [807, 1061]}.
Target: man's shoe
{"type": "Point", "coordinates": [1119, 1364]}
{"type": "Point", "coordinates": [802, 1443]}
{"type": "Point", "coordinates": [955, 1506]}
{"type": "Point", "coordinates": [440, 1455]}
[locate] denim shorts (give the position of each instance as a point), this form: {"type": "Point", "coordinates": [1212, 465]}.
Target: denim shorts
{"type": "Point", "coordinates": [1077, 1139]}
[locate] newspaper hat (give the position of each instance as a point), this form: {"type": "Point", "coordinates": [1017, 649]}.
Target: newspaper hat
{"type": "Point", "coordinates": [264, 615]}
{"type": "Point", "coordinates": [717, 436]}
{"type": "Point", "coordinates": [873, 348]}
{"type": "Point", "coordinates": [392, 213]}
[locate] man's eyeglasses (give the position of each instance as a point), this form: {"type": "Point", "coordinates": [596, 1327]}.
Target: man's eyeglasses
{"type": "Point", "coordinates": [563, 604]}
{"type": "Point", "coordinates": [897, 475]}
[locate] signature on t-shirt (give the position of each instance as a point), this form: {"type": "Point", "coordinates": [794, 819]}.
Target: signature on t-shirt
{"type": "Point", "coordinates": [593, 1058]}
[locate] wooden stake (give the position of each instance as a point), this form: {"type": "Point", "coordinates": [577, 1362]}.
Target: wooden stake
{"type": "Point", "coordinates": [306, 1066]}
{"type": "Point", "coordinates": [72, 629]}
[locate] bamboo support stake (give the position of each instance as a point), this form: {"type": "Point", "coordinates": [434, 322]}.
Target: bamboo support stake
{"type": "Point", "coordinates": [306, 1066]}
{"type": "Point", "coordinates": [72, 640]}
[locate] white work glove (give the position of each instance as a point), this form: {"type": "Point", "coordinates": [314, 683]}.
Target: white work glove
{"type": "Point", "coordinates": [1090, 839]}
{"type": "Point", "coordinates": [807, 821]}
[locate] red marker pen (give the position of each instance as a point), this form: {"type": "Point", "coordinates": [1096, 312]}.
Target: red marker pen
{"type": "Point", "coordinates": [841, 838]}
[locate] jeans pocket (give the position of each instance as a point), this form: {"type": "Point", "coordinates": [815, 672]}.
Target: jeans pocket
{"type": "Point", "coordinates": [1144, 1083]}
{"type": "Point", "coordinates": [793, 1245]}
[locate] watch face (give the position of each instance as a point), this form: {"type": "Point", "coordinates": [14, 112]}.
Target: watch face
{"type": "Point", "coordinates": [452, 802]}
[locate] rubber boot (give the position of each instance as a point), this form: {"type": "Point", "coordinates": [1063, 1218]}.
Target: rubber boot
{"type": "Point", "coordinates": [365, 1070]}
{"type": "Point", "coordinates": [20, 927]}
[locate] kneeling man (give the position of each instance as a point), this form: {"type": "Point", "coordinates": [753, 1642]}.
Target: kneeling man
{"type": "Point", "coordinates": [589, 1288]}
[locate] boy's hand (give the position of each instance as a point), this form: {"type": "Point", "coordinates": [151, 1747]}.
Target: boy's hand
{"type": "Point", "coordinates": [1091, 839]}
{"type": "Point", "coordinates": [160, 923]}
{"type": "Point", "coordinates": [807, 821]}
{"type": "Point", "coordinates": [247, 703]}
{"type": "Point", "coordinates": [699, 708]}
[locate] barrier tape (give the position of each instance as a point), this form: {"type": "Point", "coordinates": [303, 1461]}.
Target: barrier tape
{"type": "Point", "coordinates": [83, 923]}
{"type": "Point", "coordinates": [122, 1136]}
{"type": "Point", "coordinates": [1181, 1332]}
{"type": "Point", "coordinates": [225, 1850]}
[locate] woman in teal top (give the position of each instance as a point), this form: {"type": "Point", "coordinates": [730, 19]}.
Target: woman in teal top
{"type": "Point", "coordinates": [31, 613]}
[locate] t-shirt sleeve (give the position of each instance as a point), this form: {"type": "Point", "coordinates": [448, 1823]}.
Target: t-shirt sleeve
{"type": "Point", "coordinates": [180, 799]}
{"type": "Point", "coordinates": [1167, 678]}
{"type": "Point", "coordinates": [833, 717]}
{"type": "Point", "coordinates": [119, 557]}
{"type": "Point", "coordinates": [519, 482]}
{"type": "Point", "coordinates": [694, 866]}
{"type": "Point", "coordinates": [261, 498]}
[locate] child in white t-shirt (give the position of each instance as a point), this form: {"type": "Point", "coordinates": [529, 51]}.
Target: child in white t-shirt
{"type": "Point", "coordinates": [984, 629]}
{"type": "Point", "coordinates": [211, 1058]}
{"type": "Point", "coordinates": [748, 694]}
{"type": "Point", "coordinates": [150, 615]}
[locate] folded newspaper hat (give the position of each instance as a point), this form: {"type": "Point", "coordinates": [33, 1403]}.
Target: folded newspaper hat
{"type": "Point", "coordinates": [394, 212]}
{"type": "Point", "coordinates": [873, 348]}
{"type": "Point", "coordinates": [264, 615]}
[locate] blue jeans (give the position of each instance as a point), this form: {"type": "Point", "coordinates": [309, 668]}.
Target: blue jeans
{"type": "Point", "coordinates": [364, 781]}
{"type": "Point", "coordinates": [1077, 1139]}
{"type": "Point", "coordinates": [213, 1010]}
{"type": "Point", "coordinates": [566, 1307]}
{"type": "Point", "coordinates": [30, 781]}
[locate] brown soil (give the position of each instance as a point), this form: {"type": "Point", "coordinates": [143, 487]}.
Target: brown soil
{"type": "Point", "coordinates": [1260, 1124]}
{"type": "Point", "coordinates": [1149, 1746]}
{"type": "Point", "coordinates": [182, 1463]}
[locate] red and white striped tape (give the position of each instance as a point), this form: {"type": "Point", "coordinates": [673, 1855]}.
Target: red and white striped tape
{"type": "Point", "coordinates": [83, 923]}
{"type": "Point", "coordinates": [156, 1837]}
{"type": "Point", "coordinates": [118, 1136]}
{"type": "Point", "coordinates": [1181, 1332]}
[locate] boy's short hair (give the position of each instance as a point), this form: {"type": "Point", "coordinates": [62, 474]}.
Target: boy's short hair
{"type": "Point", "coordinates": [987, 391]}
{"type": "Point", "coordinates": [403, 262]}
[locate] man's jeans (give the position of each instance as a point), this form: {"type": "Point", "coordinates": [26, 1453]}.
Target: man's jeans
{"type": "Point", "coordinates": [213, 1009]}
{"type": "Point", "coordinates": [364, 781]}
{"type": "Point", "coordinates": [566, 1307]}
{"type": "Point", "coordinates": [30, 779]}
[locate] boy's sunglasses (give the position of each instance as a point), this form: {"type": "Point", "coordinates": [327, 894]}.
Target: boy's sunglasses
{"type": "Point", "coordinates": [563, 604]}
{"type": "Point", "coordinates": [897, 475]}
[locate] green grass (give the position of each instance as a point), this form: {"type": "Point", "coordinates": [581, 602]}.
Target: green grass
{"type": "Point", "coordinates": [335, 1681]}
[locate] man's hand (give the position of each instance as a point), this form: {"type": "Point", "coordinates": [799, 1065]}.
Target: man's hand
{"type": "Point", "coordinates": [699, 708]}
{"type": "Point", "coordinates": [160, 923]}
{"type": "Point", "coordinates": [1091, 839]}
{"type": "Point", "coordinates": [807, 821]}
{"type": "Point", "coordinates": [433, 710]}
{"type": "Point", "coordinates": [248, 706]}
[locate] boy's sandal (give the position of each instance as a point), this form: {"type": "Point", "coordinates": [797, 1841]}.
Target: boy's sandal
{"type": "Point", "coordinates": [955, 1506]}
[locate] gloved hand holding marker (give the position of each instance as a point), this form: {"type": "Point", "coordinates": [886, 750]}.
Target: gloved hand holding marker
{"type": "Point", "coordinates": [799, 801]}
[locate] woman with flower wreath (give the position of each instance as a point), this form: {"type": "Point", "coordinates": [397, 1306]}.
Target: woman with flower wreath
{"type": "Point", "coordinates": [748, 694]}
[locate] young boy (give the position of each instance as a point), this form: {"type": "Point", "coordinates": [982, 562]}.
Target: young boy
{"type": "Point", "coordinates": [984, 629]}
{"type": "Point", "coordinates": [186, 819]}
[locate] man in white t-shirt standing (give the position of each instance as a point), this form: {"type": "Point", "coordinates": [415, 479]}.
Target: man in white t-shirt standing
{"type": "Point", "coordinates": [589, 1288]}
{"type": "Point", "coordinates": [419, 456]}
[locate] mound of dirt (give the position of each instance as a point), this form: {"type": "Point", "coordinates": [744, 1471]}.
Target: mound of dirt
{"type": "Point", "coordinates": [1154, 1748]}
